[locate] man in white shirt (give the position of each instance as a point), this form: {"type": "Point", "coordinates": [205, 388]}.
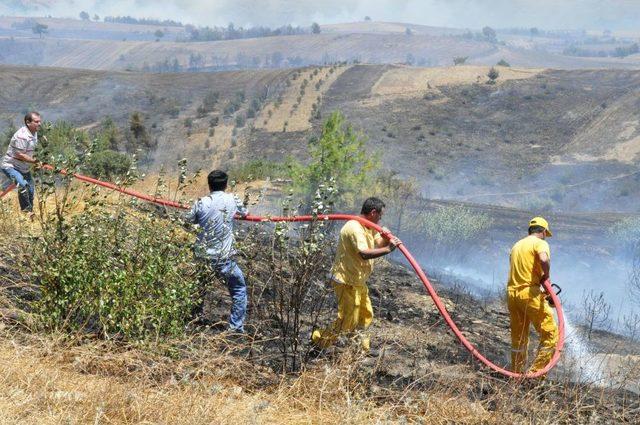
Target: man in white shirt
{"type": "Point", "coordinates": [16, 164]}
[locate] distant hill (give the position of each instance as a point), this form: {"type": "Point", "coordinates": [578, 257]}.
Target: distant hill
{"type": "Point", "coordinates": [112, 46]}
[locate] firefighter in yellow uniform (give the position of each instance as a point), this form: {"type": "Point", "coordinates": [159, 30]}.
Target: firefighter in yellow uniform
{"type": "Point", "coordinates": [357, 248]}
{"type": "Point", "coordinates": [530, 266]}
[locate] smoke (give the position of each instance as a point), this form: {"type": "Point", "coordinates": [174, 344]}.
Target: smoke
{"type": "Point", "coordinates": [546, 14]}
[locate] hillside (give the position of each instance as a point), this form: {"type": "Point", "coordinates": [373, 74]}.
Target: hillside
{"type": "Point", "coordinates": [420, 375]}
{"type": "Point", "coordinates": [536, 139]}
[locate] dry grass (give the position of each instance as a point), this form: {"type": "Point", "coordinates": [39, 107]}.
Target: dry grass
{"type": "Point", "coordinates": [406, 81]}
{"type": "Point", "coordinates": [55, 380]}
{"type": "Point", "coordinates": [48, 385]}
{"type": "Point", "coordinates": [49, 381]}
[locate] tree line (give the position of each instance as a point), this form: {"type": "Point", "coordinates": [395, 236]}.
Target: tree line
{"type": "Point", "coordinates": [230, 32]}
{"type": "Point", "coordinates": [141, 21]}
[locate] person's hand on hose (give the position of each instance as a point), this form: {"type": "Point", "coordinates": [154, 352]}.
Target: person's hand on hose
{"type": "Point", "coordinates": [544, 289]}
{"type": "Point", "coordinates": [550, 301]}
{"type": "Point", "coordinates": [393, 243]}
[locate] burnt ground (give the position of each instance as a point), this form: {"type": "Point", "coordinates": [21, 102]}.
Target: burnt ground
{"type": "Point", "coordinates": [416, 351]}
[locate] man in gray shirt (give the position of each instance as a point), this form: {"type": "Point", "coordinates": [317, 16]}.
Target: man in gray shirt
{"type": "Point", "coordinates": [16, 164]}
{"type": "Point", "coordinates": [214, 214]}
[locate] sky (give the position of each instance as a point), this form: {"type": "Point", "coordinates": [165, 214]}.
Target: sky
{"type": "Point", "coordinates": [545, 14]}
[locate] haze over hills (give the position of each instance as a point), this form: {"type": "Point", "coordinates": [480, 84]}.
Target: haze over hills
{"type": "Point", "coordinates": [573, 132]}
{"type": "Point", "coordinates": [114, 46]}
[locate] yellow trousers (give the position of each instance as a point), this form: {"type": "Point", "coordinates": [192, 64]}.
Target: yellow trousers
{"type": "Point", "coordinates": [354, 313]}
{"type": "Point", "coordinates": [528, 306]}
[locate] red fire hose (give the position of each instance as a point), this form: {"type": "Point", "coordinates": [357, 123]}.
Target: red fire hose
{"type": "Point", "coordinates": [7, 190]}
{"type": "Point", "coordinates": [416, 267]}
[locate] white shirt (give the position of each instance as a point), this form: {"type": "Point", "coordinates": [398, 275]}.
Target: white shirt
{"type": "Point", "coordinates": [22, 142]}
{"type": "Point", "coordinates": [214, 214]}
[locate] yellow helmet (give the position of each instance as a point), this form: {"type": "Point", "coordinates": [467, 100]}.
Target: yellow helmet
{"type": "Point", "coordinates": [539, 221]}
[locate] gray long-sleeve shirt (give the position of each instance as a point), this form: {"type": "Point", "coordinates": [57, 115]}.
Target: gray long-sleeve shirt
{"type": "Point", "coordinates": [214, 215]}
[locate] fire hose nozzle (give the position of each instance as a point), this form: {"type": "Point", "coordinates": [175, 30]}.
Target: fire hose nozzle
{"type": "Point", "coordinates": [554, 286]}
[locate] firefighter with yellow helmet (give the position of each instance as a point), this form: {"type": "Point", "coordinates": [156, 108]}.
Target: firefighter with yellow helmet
{"type": "Point", "coordinates": [529, 268]}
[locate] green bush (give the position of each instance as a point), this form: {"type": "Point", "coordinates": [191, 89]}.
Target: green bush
{"type": "Point", "coordinates": [453, 223]}
{"type": "Point", "coordinates": [61, 142]}
{"type": "Point", "coordinates": [450, 233]}
{"type": "Point", "coordinates": [108, 164]}
{"type": "Point", "coordinates": [115, 275]}
{"type": "Point", "coordinates": [538, 203]}
{"type": "Point", "coordinates": [493, 75]}
{"type": "Point", "coordinates": [258, 170]}
{"type": "Point", "coordinates": [210, 100]}
{"type": "Point", "coordinates": [240, 121]}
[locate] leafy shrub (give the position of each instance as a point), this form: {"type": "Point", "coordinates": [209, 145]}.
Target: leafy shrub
{"type": "Point", "coordinates": [116, 275]}
{"type": "Point", "coordinates": [460, 60]}
{"type": "Point", "coordinates": [201, 111]}
{"type": "Point", "coordinates": [538, 203]}
{"type": "Point", "coordinates": [232, 106]}
{"type": "Point", "coordinates": [258, 170]}
{"type": "Point", "coordinates": [493, 75]}
{"type": "Point", "coordinates": [108, 164]}
{"type": "Point", "coordinates": [61, 142]}
{"type": "Point", "coordinates": [449, 233]}
{"type": "Point", "coordinates": [210, 100]}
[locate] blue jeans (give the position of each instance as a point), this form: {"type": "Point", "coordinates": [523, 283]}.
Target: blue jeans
{"type": "Point", "coordinates": [26, 187]}
{"type": "Point", "coordinates": [233, 277]}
